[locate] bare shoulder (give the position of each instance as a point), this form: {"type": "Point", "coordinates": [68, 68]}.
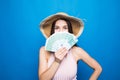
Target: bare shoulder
{"type": "Point", "coordinates": [77, 49]}
{"type": "Point", "coordinates": [44, 53]}
{"type": "Point", "coordinates": [42, 48]}
{"type": "Point", "coordinates": [78, 52]}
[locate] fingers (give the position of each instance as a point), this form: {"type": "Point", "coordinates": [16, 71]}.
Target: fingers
{"type": "Point", "coordinates": [60, 54]}
{"type": "Point", "coordinates": [63, 53]}
{"type": "Point", "coordinates": [62, 49]}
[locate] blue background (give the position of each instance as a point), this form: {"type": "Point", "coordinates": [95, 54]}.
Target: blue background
{"type": "Point", "coordinates": [20, 37]}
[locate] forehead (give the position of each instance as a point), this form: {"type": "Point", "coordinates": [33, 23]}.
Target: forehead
{"type": "Point", "coordinates": [61, 22]}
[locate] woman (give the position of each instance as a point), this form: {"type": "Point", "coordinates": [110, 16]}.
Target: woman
{"type": "Point", "coordinates": [62, 65]}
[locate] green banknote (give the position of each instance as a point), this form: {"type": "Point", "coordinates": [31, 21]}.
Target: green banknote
{"type": "Point", "coordinates": [60, 39]}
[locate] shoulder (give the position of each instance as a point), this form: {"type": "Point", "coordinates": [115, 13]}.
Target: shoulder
{"type": "Point", "coordinates": [43, 53]}
{"type": "Point", "coordinates": [77, 49]}
{"type": "Point", "coordinates": [42, 49]}
{"type": "Point", "coordinates": [78, 52]}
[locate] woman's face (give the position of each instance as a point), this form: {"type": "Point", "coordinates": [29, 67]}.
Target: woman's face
{"type": "Point", "coordinates": [61, 26]}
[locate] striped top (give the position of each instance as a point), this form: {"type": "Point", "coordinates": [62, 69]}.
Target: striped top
{"type": "Point", "coordinates": [67, 69]}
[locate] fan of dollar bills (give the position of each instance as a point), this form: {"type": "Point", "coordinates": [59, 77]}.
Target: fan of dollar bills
{"type": "Point", "coordinates": [60, 39]}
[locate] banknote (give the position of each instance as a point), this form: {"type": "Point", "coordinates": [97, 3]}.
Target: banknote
{"type": "Point", "coordinates": [60, 39]}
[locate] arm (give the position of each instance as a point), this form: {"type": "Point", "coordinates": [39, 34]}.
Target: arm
{"type": "Point", "coordinates": [81, 54]}
{"type": "Point", "coordinates": [46, 73]}
{"type": "Point", "coordinates": [50, 72]}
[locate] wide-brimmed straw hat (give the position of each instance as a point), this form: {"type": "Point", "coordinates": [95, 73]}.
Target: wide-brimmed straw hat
{"type": "Point", "coordinates": [46, 24]}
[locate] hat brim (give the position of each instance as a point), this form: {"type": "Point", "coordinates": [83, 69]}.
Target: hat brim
{"type": "Point", "coordinates": [46, 24]}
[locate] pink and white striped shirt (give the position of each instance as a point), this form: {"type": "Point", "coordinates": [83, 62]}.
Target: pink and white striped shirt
{"type": "Point", "coordinates": [67, 69]}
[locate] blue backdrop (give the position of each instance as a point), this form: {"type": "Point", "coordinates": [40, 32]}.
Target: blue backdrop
{"type": "Point", "coordinates": [20, 38]}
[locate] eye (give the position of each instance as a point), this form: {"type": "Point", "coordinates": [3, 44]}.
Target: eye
{"type": "Point", "coordinates": [65, 27]}
{"type": "Point", "coordinates": [56, 27]}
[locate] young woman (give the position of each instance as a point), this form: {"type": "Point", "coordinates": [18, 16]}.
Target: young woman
{"type": "Point", "coordinates": [62, 65]}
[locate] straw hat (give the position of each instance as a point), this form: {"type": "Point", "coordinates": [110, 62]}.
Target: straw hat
{"type": "Point", "coordinates": [46, 24]}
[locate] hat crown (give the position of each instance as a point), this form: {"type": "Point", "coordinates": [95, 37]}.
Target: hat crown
{"type": "Point", "coordinates": [62, 13]}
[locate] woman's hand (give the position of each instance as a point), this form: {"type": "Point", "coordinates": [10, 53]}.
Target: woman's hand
{"type": "Point", "coordinates": [60, 54]}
